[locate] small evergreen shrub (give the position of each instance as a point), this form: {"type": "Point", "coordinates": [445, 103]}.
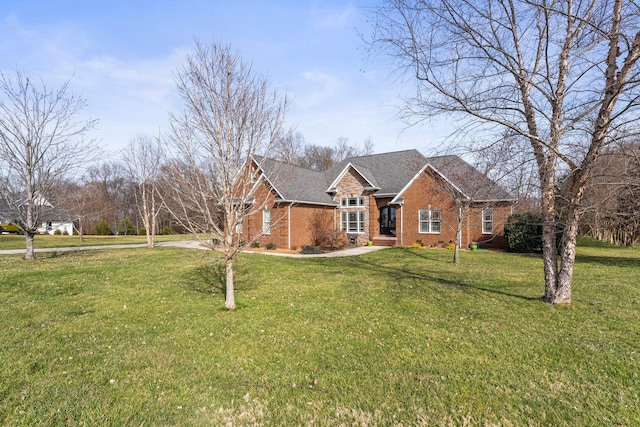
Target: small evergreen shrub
{"type": "Point", "coordinates": [270, 246]}
{"type": "Point", "coordinates": [102, 229]}
{"type": "Point", "coordinates": [523, 232]}
{"type": "Point", "coordinates": [255, 244]}
{"type": "Point", "coordinates": [311, 250]}
{"type": "Point", "coordinates": [57, 232]}
{"type": "Point", "coordinates": [166, 230]}
{"type": "Point", "coordinates": [143, 231]}
{"type": "Point", "coordinates": [126, 227]}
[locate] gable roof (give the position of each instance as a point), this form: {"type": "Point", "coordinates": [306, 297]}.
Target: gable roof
{"type": "Point", "coordinates": [295, 183]}
{"type": "Point", "coordinates": [387, 173]}
{"type": "Point", "coordinates": [469, 180]}
{"type": "Point", "coordinates": [360, 170]}
{"type": "Point", "coordinates": [390, 171]}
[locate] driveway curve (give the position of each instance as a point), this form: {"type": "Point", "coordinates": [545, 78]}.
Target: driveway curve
{"type": "Point", "coordinates": [194, 244]}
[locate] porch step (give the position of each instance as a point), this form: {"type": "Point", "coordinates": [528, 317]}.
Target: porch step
{"type": "Point", "coordinates": [384, 241]}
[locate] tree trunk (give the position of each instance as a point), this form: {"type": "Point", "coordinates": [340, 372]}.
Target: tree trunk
{"type": "Point", "coordinates": [546, 172]}
{"type": "Point", "coordinates": [80, 232]}
{"type": "Point", "coordinates": [30, 253]}
{"type": "Point", "coordinates": [230, 301]}
{"type": "Point", "coordinates": [456, 249]}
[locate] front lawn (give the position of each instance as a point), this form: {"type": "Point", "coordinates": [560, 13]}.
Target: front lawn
{"type": "Point", "coordinates": [396, 337]}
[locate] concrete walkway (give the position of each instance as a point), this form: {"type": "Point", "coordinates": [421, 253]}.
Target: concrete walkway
{"type": "Point", "coordinates": [194, 244]}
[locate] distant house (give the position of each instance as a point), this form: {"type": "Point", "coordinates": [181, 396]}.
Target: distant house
{"type": "Point", "coordinates": [397, 199]}
{"type": "Point", "coordinates": [50, 218]}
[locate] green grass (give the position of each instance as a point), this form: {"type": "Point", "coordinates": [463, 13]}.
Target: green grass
{"type": "Point", "coordinates": [15, 241]}
{"type": "Point", "coordinates": [396, 337]}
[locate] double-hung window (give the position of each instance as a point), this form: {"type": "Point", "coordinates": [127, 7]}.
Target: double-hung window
{"type": "Point", "coordinates": [430, 221]}
{"type": "Point", "coordinates": [352, 215]}
{"type": "Point", "coordinates": [266, 221]}
{"type": "Point", "coordinates": [352, 221]}
{"type": "Point", "coordinates": [487, 221]}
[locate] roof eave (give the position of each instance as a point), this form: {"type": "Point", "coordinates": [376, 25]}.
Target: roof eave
{"type": "Point", "coordinates": [305, 202]}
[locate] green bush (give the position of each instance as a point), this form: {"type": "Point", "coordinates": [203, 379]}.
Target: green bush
{"type": "Point", "coordinates": [254, 244]}
{"type": "Point", "coordinates": [143, 231]}
{"type": "Point", "coordinates": [166, 230]}
{"type": "Point", "coordinates": [102, 229]}
{"type": "Point", "coordinates": [270, 246]}
{"type": "Point", "coordinates": [523, 232]}
{"type": "Point", "coordinates": [57, 232]}
{"type": "Point", "coordinates": [126, 227]}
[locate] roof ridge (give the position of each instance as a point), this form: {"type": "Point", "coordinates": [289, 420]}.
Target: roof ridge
{"type": "Point", "coordinates": [381, 154]}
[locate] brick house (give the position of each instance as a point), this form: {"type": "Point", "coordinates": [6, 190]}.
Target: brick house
{"type": "Point", "coordinates": [394, 199]}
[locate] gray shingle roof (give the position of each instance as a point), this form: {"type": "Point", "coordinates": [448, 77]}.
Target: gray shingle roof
{"type": "Point", "coordinates": [297, 184]}
{"type": "Point", "coordinates": [468, 179]}
{"type": "Point", "coordinates": [389, 172]}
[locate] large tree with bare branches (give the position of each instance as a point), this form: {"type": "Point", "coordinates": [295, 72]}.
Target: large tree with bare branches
{"type": "Point", "coordinates": [42, 140]}
{"type": "Point", "coordinates": [561, 74]}
{"type": "Point", "coordinates": [232, 121]}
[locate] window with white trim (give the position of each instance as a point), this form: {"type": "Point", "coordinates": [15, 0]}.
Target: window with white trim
{"type": "Point", "coordinates": [430, 221]}
{"type": "Point", "coordinates": [266, 221]}
{"type": "Point", "coordinates": [487, 221]}
{"type": "Point", "coordinates": [239, 228]}
{"type": "Point", "coordinates": [352, 221]}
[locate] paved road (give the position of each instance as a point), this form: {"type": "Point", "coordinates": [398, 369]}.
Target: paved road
{"type": "Point", "coordinates": [194, 244]}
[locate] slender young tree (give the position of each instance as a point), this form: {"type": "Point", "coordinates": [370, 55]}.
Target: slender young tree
{"type": "Point", "coordinates": [563, 75]}
{"type": "Point", "coordinates": [232, 122]}
{"type": "Point", "coordinates": [42, 140]}
{"type": "Point", "coordinates": [143, 161]}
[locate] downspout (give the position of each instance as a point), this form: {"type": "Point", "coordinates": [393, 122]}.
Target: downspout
{"type": "Point", "coordinates": [401, 225]}
{"type": "Point", "coordinates": [289, 226]}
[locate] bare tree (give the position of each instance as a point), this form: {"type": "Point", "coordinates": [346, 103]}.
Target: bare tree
{"type": "Point", "coordinates": [343, 149]}
{"type": "Point", "coordinates": [143, 161]}
{"type": "Point", "coordinates": [107, 194]}
{"type": "Point", "coordinates": [42, 140]}
{"type": "Point", "coordinates": [611, 201]}
{"type": "Point", "coordinates": [290, 147]}
{"type": "Point", "coordinates": [321, 158]}
{"type": "Point", "coordinates": [562, 74]}
{"type": "Point", "coordinates": [231, 116]}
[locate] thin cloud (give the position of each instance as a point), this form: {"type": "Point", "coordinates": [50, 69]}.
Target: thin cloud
{"type": "Point", "coordinates": [334, 18]}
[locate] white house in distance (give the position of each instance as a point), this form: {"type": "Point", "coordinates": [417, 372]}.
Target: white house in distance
{"type": "Point", "coordinates": [50, 219]}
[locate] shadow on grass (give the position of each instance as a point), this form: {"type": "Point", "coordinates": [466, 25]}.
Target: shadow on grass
{"type": "Point", "coordinates": [211, 278]}
{"type": "Point", "coordinates": [609, 261]}
{"type": "Point", "coordinates": [403, 272]}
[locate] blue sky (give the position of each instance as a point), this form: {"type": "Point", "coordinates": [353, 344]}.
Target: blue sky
{"type": "Point", "coordinates": [122, 57]}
